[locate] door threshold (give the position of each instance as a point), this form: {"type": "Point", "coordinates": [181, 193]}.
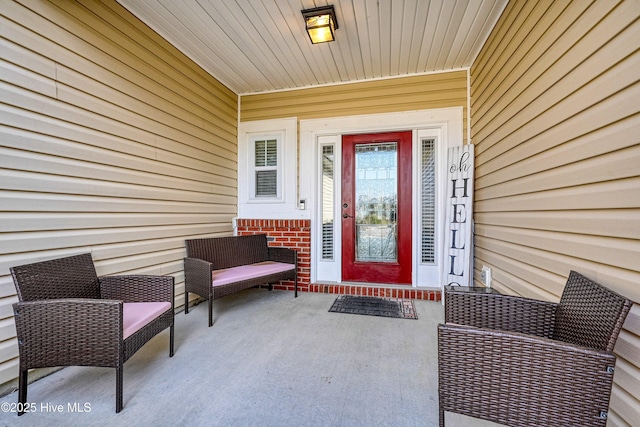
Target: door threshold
{"type": "Point", "coordinates": [377, 285]}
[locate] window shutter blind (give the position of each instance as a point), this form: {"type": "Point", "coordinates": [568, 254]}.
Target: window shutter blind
{"type": "Point", "coordinates": [266, 162]}
{"type": "Point", "coordinates": [267, 153]}
{"type": "Point", "coordinates": [428, 198]}
{"type": "Point", "coordinates": [266, 183]}
{"type": "Point", "coordinates": [327, 201]}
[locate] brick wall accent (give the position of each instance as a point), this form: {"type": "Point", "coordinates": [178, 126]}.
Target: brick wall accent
{"type": "Point", "coordinates": [296, 234]}
{"type": "Point", "coordinates": [288, 233]}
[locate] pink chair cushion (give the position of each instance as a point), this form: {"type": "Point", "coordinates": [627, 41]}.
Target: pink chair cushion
{"type": "Point", "coordinates": [246, 272]}
{"type": "Point", "coordinates": [135, 315]}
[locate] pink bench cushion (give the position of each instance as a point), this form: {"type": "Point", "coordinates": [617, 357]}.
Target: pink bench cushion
{"type": "Point", "coordinates": [135, 315]}
{"type": "Point", "coordinates": [246, 272]}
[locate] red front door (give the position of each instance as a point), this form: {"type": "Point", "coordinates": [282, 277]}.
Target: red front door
{"type": "Point", "coordinates": [376, 208]}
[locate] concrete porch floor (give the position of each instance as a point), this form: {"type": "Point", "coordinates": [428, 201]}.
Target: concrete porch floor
{"type": "Point", "coordinates": [268, 360]}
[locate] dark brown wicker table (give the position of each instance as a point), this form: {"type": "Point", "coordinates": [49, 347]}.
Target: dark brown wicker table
{"type": "Point", "coordinates": [475, 289]}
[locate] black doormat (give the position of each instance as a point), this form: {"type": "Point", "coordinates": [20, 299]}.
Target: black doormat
{"type": "Point", "coordinates": [375, 306]}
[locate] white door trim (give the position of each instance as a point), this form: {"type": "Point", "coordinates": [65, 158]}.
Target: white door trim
{"type": "Point", "coordinates": [313, 132]}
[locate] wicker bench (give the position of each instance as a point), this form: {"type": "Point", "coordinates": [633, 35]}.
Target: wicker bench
{"type": "Point", "coordinates": [219, 266]}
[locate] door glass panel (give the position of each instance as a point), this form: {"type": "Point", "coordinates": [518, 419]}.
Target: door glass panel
{"type": "Point", "coordinates": [376, 198]}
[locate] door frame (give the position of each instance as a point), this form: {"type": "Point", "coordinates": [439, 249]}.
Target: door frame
{"type": "Point", "coordinates": [398, 272]}
{"type": "Point", "coordinates": [444, 123]}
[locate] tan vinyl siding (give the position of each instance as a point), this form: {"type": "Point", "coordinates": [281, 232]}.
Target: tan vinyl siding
{"type": "Point", "coordinates": [111, 142]}
{"type": "Point", "coordinates": [423, 92]}
{"type": "Point", "coordinates": [555, 119]}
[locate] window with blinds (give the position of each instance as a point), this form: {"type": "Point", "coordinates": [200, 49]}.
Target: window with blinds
{"type": "Point", "coordinates": [428, 200]}
{"type": "Point", "coordinates": [266, 168]}
{"type": "Point", "coordinates": [327, 201]}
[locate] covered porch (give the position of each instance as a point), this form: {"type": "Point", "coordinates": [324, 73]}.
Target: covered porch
{"type": "Point", "coordinates": [114, 141]}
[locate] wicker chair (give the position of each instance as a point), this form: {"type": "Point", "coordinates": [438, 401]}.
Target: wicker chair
{"type": "Point", "coordinates": [67, 316]}
{"type": "Point", "coordinates": [522, 362]}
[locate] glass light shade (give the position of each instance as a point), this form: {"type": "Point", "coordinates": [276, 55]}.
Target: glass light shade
{"type": "Point", "coordinates": [320, 28]}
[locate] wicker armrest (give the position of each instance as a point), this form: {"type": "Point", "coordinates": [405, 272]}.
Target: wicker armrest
{"type": "Point", "coordinates": [67, 332]}
{"type": "Point", "coordinates": [197, 276]}
{"type": "Point", "coordinates": [490, 374]}
{"type": "Point", "coordinates": [286, 255]}
{"type": "Point", "coordinates": [502, 312]}
{"type": "Point", "coordinates": [137, 288]}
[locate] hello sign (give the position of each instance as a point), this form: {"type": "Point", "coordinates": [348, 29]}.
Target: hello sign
{"type": "Point", "coordinates": [458, 241]}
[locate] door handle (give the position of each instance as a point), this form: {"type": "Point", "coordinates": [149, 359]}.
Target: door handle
{"type": "Point", "coordinates": [345, 215]}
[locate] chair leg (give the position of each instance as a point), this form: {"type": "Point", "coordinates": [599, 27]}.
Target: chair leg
{"type": "Point", "coordinates": [119, 372]}
{"type": "Point", "coordinates": [171, 340]}
{"type": "Point", "coordinates": [186, 302]}
{"type": "Point", "coordinates": [211, 311]}
{"type": "Point", "coordinates": [441, 418]}
{"type": "Point", "coordinates": [22, 389]}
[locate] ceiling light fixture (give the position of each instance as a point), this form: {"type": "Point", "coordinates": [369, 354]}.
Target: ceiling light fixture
{"type": "Point", "coordinates": [320, 23]}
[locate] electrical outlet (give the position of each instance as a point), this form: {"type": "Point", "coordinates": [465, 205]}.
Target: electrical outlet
{"type": "Point", "coordinates": [485, 276]}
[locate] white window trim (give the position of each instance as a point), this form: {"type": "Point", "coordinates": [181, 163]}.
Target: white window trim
{"type": "Point", "coordinates": [252, 168]}
{"type": "Point", "coordinates": [429, 274]}
{"type": "Point", "coordinates": [284, 206]}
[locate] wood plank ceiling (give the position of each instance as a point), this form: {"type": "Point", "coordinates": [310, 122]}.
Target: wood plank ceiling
{"type": "Point", "coordinates": [255, 46]}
